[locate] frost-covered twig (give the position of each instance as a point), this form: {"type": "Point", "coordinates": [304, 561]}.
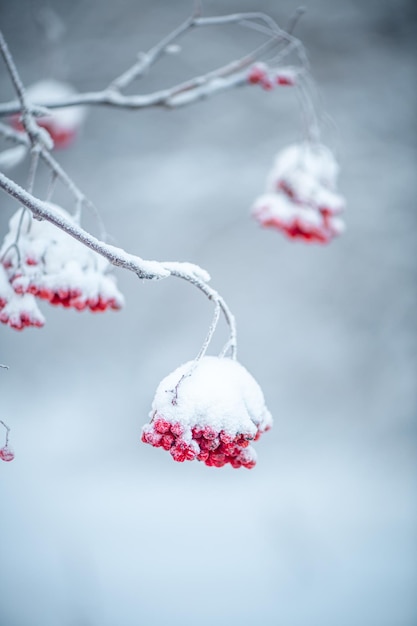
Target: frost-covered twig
{"type": "Point", "coordinates": [150, 270]}
{"type": "Point", "coordinates": [57, 172]}
{"type": "Point", "coordinates": [7, 429]}
{"type": "Point", "coordinates": [112, 96]}
{"type": "Point", "coordinates": [231, 345]}
{"type": "Point", "coordinates": [37, 136]}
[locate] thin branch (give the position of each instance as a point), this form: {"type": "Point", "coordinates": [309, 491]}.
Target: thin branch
{"type": "Point", "coordinates": [36, 134]}
{"type": "Point", "coordinates": [212, 295]}
{"type": "Point", "coordinates": [21, 138]}
{"type": "Point", "coordinates": [210, 333]}
{"type": "Point", "coordinates": [51, 186]}
{"type": "Point", "coordinates": [116, 256]}
{"type": "Point", "coordinates": [111, 95]}
{"type": "Point", "coordinates": [147, 59]}
{"type": "Point", "coordinates": [294, 19]}
{"type": "Point", "coordinates": [6, 427]}
{"type": "Point", "coordinates": [150, 270]}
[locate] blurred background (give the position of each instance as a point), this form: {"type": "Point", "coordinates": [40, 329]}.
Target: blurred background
{"type": "Point", "coordinates": [97, 529]}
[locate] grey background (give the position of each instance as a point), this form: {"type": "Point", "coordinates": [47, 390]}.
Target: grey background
{"type": "Point", "coordinates": [98, 529]}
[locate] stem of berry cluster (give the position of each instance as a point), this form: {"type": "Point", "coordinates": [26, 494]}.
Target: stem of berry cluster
{"type": "Point", "coordinates": [5, 426]}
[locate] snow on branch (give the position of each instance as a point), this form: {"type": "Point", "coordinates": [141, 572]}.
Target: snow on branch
{"type": "Point", "coordinates": [116, 256]}
{"type": "Point", "coordinates": [150, 270]}
{"type": "Point", "coordinates": [223, 78]}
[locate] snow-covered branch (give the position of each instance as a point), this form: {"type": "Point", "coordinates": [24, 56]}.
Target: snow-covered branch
{"type": "Point", "coordinates": [223, 78]}
{"type": "Point", "coordinates": [150, 270]}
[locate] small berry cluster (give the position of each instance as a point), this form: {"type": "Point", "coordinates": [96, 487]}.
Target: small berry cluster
{"type": "Point", "coordinates": [269, 78]}
{"type": "Point", "coordinates": [6, 454]}
{"type": "Point", "coordinates": [301, 199]}
{"type": "Point", "coordinates": [50, 266]}
{"type": "Point", "coordinates": [61, 124]}
{"type": "Point", "coordinates": [190, 427]}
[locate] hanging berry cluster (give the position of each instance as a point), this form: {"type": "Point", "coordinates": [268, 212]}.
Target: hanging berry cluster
{"type": "Point", "coordinates": [210, 411]}
{"type": "Point", "coordinates": [301, 199]}
{"type": "Point", "coordinates": [39, 261]}
{"type": "Point", "coordinates": [6, 453]}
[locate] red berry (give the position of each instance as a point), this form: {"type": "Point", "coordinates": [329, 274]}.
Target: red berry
{"type": "Point", "coordinates": [161, 425]}
{"type": "Point", "coordinates": [256, 74]}
{"type": "Point", "coordinates": [285, 79]}
{"type": "Point", "coordinates": [177, 429]}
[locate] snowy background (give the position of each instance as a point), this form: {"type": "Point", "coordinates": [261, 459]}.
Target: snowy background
{"type": "Point", "coordinates": [98, 529]}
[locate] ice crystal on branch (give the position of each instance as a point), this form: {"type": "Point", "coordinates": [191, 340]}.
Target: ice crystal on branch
{"type": "Point", "coordinates": [301, 199]}
{"type": "Point", "coordinates": [208, 410]}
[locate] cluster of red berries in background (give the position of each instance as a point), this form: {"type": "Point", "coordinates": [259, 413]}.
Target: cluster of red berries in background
{"type": "Point", "coordinates": [49, 265]}
{"type": "Point", "coordinates": [62, 124]}
{"type": "Point", "coordinates": [301, 199]}
{"type": "Point", "coordinates": [211, 414]}
{"type": "Point", "coordinates": [269, 78]}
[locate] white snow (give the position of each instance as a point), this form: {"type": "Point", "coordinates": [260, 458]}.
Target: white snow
{"type": "Point", "coordinates": [316, 161]}
{"type": "Point", "coordinates": [217, 392]}
{"type": "Point", "coordinates": [20, 311]}
{"type": "Point", "coordinates": [272, 205]}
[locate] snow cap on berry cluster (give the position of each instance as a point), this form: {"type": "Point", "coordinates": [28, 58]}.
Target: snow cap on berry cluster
{"type": "Point", "coordinates": [301, 199]}
{"type": "Point", "coordinates": [56, 267]}
{"type": "Point", "coordinates": [17, 311]}
{"type": "Point", "coordinates": [62, 123]}
{"type": "Point", "coordinates": [208, 410]}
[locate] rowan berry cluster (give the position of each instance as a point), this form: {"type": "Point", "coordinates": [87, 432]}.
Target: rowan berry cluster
{"type": "Point", "coordinates": [301, 199]}
{"type": "Point", "coordinates": [209, 411]}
